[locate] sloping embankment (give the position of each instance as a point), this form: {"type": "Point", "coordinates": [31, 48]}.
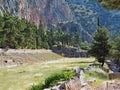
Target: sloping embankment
{"type": "Point", "coordinates": [13, 57]}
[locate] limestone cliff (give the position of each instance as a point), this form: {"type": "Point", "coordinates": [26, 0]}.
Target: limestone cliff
{"type": "Point", "coordinates": [45, 12]}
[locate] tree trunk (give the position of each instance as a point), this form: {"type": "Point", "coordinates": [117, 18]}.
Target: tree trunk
{"type": "Point", "coordinates": [102, 64]}
{"type": "Point", "coordinates": [103, 61]}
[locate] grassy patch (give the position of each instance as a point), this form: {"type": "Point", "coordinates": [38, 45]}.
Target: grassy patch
{"type": "Point", "coordinates": [23, 77]}
{"type": "Point", "coordinates": [97, 73]}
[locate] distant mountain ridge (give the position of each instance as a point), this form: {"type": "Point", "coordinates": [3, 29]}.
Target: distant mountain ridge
{"type": "Point", "coordinates": [72, 16]}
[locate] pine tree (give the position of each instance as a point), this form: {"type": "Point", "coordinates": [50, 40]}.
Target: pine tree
{"type": "Point", "coordinates": [51, 36]}
{"type": "Point", "coordinates": [9, 32]}
{"type": "Point", "coordinates": [100, 47]}
{"type": "Point", "coordinates": [115, 50]}
{"type": "Point", "coordinates": [30, 36]}
{"type": "Point", "coordinates": [44, 37]}
{"type": "Point", "coordinates": [1, 32]}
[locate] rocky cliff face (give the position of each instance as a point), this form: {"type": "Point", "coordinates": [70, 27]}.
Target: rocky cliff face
{"type": "Point", "coordinates": [45, 12]}
{"type": "Point", "coordinates": [86, 12]}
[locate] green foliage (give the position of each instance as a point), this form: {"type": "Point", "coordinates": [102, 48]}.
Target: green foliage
{"type": "Point", "coordinates": [85, 45]}
{"type": "Point", "coordinates": [115, 50]}
{"type": "Point", "coordinates": [38, 87]}
{"type": "Point", "coordinates": [100, 47]}
{"type": "Point", "coordinates": [54, 78]}
{"type": "Point", "coordinates": [110, 4]}
{"type": "Point", "coordinates": [57, 77]}
{"type": "Point", "coordinates": [16, 33]}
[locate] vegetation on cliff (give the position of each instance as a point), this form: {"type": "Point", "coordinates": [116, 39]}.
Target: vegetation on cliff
{"type": "Point", "coordinates": [110, 4]}
{"type": "Point", "coordinates": [16, 33]}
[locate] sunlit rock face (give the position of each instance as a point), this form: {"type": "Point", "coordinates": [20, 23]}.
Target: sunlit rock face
{"type": "Point", "coordinates": [45, 12]}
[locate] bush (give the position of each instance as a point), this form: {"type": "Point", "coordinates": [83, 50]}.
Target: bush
{"type": "Point", "coordinates": [69, 74]}
{"type": "Point", "coordinates": [54, 78]}
{"type": "Point", "coordinates": [57, 77]}
{"type": "Point", "coordinates": [38, 87]}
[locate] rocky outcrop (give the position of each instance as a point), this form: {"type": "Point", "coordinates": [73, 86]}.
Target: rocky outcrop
{"type": "Point", "coordinates": [86, 13]}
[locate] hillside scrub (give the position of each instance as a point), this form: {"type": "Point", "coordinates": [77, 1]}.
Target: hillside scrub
{"type": "Point", "coordinates": [110, 4]}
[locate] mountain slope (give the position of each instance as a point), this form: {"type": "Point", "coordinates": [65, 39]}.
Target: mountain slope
{"type": "Point", "coordinates": [72, 16]}
{"type": "Point", "coordinates": [45, 12]}
{"type": "Point", "coordinates": [86, 12]}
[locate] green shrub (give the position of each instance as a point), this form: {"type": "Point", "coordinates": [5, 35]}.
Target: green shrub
{"type": "Point", "coordinates": [54, 78]}
{"type": "Point", "coordinates": [68, 74]}
{"type": "Point", "coordinates": [57, 77]}
{"type": "Point", "coordinates": [40, 86]}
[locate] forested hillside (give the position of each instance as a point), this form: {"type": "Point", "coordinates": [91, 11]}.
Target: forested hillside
{"type": "Point", "coordinates": [20, 33]}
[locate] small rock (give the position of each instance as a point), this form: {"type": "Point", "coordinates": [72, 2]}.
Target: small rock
{"type": "Point", "coordinates": [91, 80]}
{"type": "Point", "coordinates": [77, 69]}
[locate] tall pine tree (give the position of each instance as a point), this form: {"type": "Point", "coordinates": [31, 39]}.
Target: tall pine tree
{"type": "Point", "coordinates": [100, 47]}
{"type": "Point", "coordinates": [115, 50]}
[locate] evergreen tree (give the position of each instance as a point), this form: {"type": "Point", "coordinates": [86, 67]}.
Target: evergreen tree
{"type": "Point", "coordinates": [51, 36]}
{"type": "Point", "coordinates": [20, 25]}
{"type": "Point", "coordinates": [9, 32]}
{"type": "Point", "coordinates": [59, 34]}
{"type": "Point", "coordinates": [100, 47]}
{"type": "Point", "coordinates": [44, 37]}
{"type": "Point", "coordinates": [115, 50]}
{"type": "Point", "coordinates": [30, 36]}
{"type": "Point", "coordinates": [38, 40]}
{"type": "Point", "coordinates": [77, 40]}
{"type": "Point", "coordinates": [19, 33]}
{"type": "Point", "coordinates": [2, 36]}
